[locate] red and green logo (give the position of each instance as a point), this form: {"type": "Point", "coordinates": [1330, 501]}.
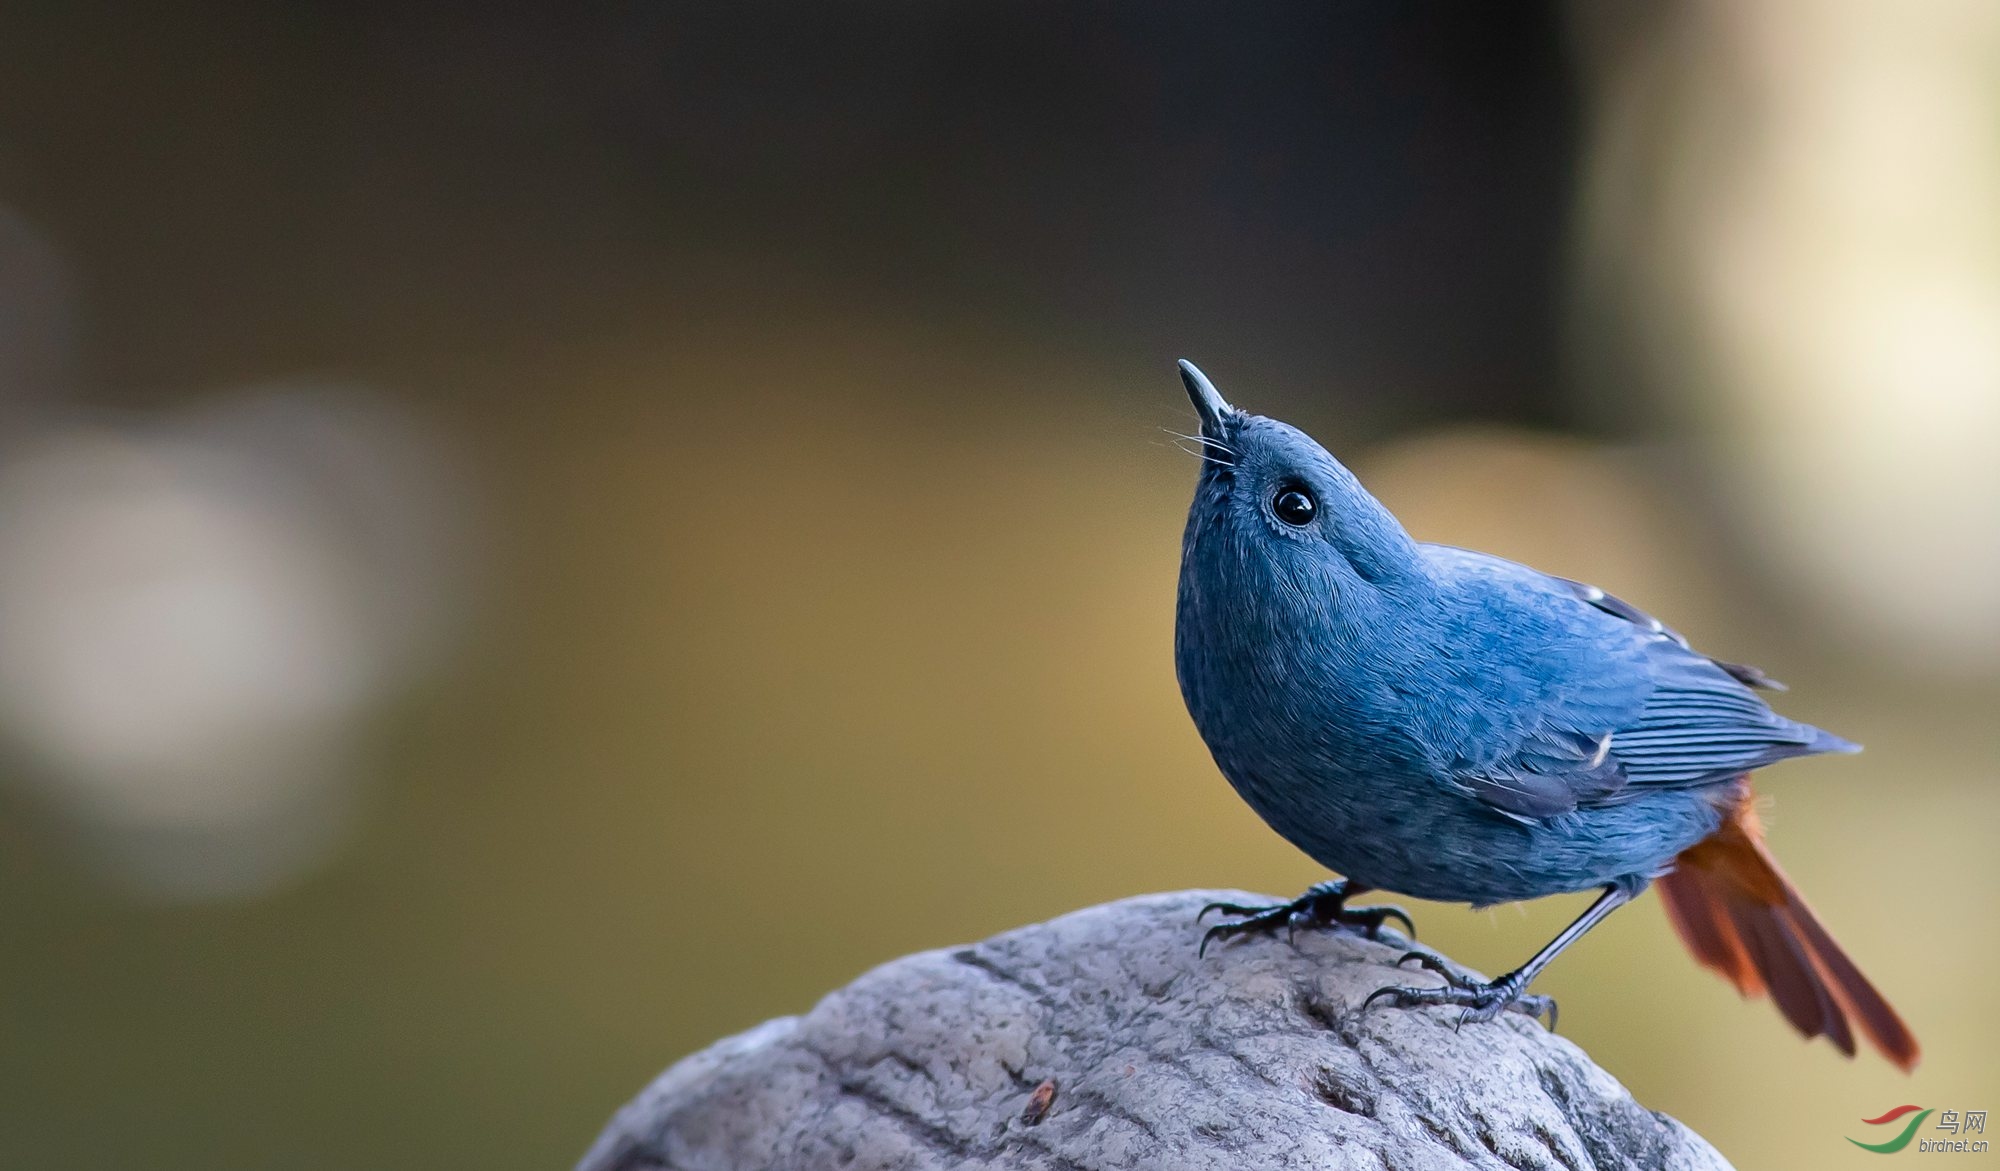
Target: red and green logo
{"type": "Point", "coordinates": [1902, 1140]}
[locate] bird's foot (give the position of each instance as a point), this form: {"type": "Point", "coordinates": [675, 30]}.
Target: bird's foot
{"type": "Point", "coordinates": [1481, 1001]}
{"type": "Point", "coordinates": [1323, 905]}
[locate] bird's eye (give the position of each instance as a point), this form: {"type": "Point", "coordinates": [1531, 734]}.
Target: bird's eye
{"type": "Point", "coordinates": [1295, 505]}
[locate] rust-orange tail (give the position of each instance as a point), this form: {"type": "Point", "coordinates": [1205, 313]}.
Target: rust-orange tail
{"type": "Point", "coordinates": [1740, 915]}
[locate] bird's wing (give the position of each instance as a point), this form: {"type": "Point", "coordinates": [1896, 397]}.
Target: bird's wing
{"type": "Point", "coordinates": [1618, 607]}
{"type": "Point", "coordinates": [1600, 702]}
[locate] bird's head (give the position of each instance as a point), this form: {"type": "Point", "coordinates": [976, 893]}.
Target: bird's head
{"type": "Point", "coordinates": [1273, 503]}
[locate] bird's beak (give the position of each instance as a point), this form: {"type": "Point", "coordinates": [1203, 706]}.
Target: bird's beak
{"type": "Point", "coordinates": [1208, 401]}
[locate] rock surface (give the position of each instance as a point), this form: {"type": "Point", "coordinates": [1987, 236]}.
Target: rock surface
{"type": "Point", "coordinates": [1099, 1041]}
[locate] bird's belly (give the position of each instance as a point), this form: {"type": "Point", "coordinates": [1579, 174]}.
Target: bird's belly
{"type": "Point", "coordinates": [1414, 835]}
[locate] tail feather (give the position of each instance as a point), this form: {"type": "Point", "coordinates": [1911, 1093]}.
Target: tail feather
{"type": "Point", "coordinates": [1797, 987]}
{"type": "Point", "coordinates": [1742, 917]}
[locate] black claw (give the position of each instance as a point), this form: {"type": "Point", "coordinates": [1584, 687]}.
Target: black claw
{"type": "Point", "coordinates": [1431, 963]}
{"type": "Point", "coordinates": [1479, 1002]}
{"type": "Point", "coordinates": [1261, 919]}
{"type": "Point", "coordinates": [1390, 991]}
{"type": "Point", "coordinates": [1322, 906]}
{"type": "Point", "coordinates": [1227, 909]}
{"type": "Point", "coordinates": [1370, 919]}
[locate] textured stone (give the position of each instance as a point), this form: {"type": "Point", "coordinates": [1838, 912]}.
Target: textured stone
{"type": "Point", "coordinates": [1099, 1041]}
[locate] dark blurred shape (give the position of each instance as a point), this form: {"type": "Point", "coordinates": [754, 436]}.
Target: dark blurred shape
{"type": "Point", "coordinates": [37, 324]}
{"type": "Point", "coordinates": [1369, 193]}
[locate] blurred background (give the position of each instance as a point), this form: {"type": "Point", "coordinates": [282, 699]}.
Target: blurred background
{"type": "Point", "coordinates": [533, 539]}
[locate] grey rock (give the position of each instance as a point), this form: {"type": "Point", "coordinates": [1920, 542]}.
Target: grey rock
{"type": "Point", "coordinates": [1099, 1041]}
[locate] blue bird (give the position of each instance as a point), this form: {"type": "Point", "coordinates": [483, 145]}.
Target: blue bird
{"type": "Point", "coordinates": [1458, 727]}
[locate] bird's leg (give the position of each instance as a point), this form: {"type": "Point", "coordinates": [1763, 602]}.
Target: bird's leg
{"type": "Point", "coordinates": [1324, 904]}
{"type": "Point", "coordinates": [1483, 1002]}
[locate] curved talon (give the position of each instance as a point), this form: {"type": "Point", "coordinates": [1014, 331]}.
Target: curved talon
{"type": "Point", "coordinates": [1266, 920]}
{"type": "Point", "coordinates": [1219, 931]}
{"type": "Point", "coordinates": [1430, 963]}
{"type": "Point", "coordinates": [1390, 991]}
{"type": "Point", "coordinates": [1439, 968]}
{"type": "Point", "coordinates": [1321, 906]}
{"type": "Point", "coordinates": [1235, 909]}
{"type": "Point", "coordinates": [1370, 919]}
{"type": "Point", "coordinates": [1253, 919]}
{"type": "Point", "coordinates": [1480, 1002]}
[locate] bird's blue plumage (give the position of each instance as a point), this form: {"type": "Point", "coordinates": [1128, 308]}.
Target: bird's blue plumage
{"type": "Point", "coordinates": [1437, 721]}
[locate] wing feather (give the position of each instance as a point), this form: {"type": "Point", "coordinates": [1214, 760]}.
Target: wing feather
{"type": "Point", "coordinates": [1622, 704]}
